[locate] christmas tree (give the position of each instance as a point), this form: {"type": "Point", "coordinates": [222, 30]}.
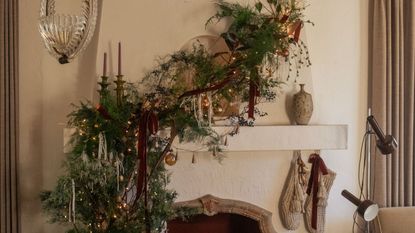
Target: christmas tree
{"type": "Point", "coordinates": [115, 179]}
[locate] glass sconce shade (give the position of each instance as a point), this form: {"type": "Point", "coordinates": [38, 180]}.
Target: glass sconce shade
{"type": "Point", "coordinates": [65, 36]}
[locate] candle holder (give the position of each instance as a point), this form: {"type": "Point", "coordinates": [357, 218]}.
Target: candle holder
{"type": "Point", "coordinates": [119, 89]}
{"type": "Point", "coordinates": [104, 87]}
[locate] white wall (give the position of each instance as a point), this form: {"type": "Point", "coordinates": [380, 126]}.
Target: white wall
{"type": "Point", "coordinates": [47, 90]}
{"type": "Point", "coordinates": [152, 28]}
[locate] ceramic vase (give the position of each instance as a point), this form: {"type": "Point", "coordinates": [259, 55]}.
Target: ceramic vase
{"type": "Point", "coordinates": [303, 106]}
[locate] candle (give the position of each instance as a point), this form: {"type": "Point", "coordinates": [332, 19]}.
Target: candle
{"type": "Point", "coordinates": [119, 58]}
{"type": "Point", "coordinates": [104, 73]}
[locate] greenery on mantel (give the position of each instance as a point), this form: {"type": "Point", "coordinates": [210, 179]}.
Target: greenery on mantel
{"type": "Point", "coordinates": [99, 191]}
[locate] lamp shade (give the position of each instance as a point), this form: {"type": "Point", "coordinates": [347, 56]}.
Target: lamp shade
{"type": "Point", "coordinates": [385, 143]}
{"type": "Point", "coordinates": [367, 209]}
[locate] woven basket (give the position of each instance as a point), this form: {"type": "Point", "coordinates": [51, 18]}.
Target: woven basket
{"type": "Point", "coordinates": [292, 199]}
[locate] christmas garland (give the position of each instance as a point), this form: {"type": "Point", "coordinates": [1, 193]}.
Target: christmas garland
{"type": "Point", "coordinates": [112, 185]}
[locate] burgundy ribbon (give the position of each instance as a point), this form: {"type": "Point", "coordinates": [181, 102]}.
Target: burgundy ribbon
{"type": "Point", "coordinates": [148, 125]}
{"type": "Point", "coordinates": [210, 88]}
{"type": "Point", "coordinates": [284, 18]}
{"type": "Point", "coordinates": [317, 166]}
{"type": "Point", "coordinates": [297, 32]}
{"type": "Point", "coordinates": [253, 93]}
{"type": "Point", "coordinates": [104, 113]}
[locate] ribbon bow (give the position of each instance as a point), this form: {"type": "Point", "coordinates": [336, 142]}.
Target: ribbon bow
{"type": "Point", "coordinates": [317, 166]}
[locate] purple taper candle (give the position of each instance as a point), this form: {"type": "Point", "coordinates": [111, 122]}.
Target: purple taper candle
{"type": "Point", "coordinates": [119, 58]}
{"type": "Point", "coordinates": [104, 73]}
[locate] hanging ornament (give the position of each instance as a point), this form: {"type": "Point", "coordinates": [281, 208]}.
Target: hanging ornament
{"type": "Point", "coordinates": [170, 158]}
{"type": "Point", "coordinates": [84, 157]}
{"type": "Point", "coordinates": [72, 212]}
{"type": "Point", "coordinates": [120, 169]}
{"type": "Point", "coordinates": [102, 147]}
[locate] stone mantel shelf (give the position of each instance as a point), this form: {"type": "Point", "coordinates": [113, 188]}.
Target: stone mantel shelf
{"type": "Point", "coordinates": [280, 137]}
{"type": "Point", "coordinates": [270, 138]}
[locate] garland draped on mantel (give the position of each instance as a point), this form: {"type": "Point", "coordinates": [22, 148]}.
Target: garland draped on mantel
{"type": "Point", "coordinates": [182, 95]}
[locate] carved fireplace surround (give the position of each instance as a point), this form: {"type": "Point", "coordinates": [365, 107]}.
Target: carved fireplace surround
{"type": "Point", "coordinates": [211, 206]}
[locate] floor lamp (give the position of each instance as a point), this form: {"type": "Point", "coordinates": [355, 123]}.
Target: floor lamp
{"type": "Point", "coordinates": [386, 144]}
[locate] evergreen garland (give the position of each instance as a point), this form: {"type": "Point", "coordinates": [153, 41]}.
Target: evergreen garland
{"type": "Point", "coordinates": [102, 167]}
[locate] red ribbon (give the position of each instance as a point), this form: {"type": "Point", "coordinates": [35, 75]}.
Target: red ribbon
{"type": "Point", "coordinates": [284, 18]}
{"type": "Point", "coordinates": [148, 125]}
{"type": "Point", "coordinates": [253, 93]}
{"type": "Point", "coordinates": [104, 113]}
{"type": "Point", "coordinates": [297, 32]}
{"type": "Point", "coordinates": [317, 166]}
{"type": "Point", "coordinates": [210, 88]}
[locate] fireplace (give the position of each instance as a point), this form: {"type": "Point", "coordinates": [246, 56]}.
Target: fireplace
{"type": "Point", "coordinates": [222, 216]}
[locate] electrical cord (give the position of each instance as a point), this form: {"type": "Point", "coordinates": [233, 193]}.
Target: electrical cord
{"type": "Point", "coordinates": [363, 163]}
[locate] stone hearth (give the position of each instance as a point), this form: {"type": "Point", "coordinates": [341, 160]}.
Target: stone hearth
{"type": "Point", "coordinates": [227, 215]}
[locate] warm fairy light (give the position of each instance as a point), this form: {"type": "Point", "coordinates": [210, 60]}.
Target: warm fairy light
{"type": "Point", "coordinates": [126, 131]}
{"type": "Point", "coordinates": [114, 216]}
{"type": "Point", "coordinates": [206, 102]}
{"type": "Point", "coordinates": [129, 122]}
{"type": "Point", "coordinates": [94, 138]}
{"type": "Point", "coordinates": [96, 125]}
{"type": "Point", "coordinates": [220, 109]}
{"type": "Point", "coordinates": [84, 120]}
{"type": "Point", "coordinates": [129, 149]}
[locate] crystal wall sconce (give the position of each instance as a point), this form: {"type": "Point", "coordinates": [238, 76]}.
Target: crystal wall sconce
{"type": "Point", "coordinates": [65, 36]}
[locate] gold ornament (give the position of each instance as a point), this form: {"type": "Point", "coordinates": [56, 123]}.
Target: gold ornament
{"type": "Point", "coordinates": [170, 159]}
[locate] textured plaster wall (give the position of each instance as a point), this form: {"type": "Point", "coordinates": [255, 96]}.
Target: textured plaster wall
{"type": "Point", "coordinates": [153, 28]}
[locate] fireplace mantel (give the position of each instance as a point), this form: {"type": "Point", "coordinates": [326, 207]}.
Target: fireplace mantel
{"type": "Point", "coordinates": [279, 138]}
{"type": "Point", "coordinates": [268, 138]}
